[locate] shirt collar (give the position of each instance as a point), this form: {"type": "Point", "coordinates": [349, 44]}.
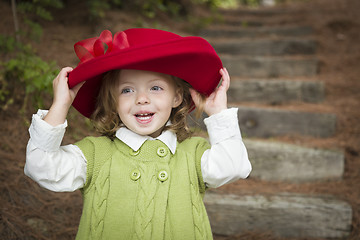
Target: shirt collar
{"type": "Point", "coordinates": [135, 141]}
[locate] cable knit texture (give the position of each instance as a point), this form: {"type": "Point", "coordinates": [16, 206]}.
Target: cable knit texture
{"type": "Point", "coordinates": [99, 208]}
{"type": "Point", "coordinates": [148, 194]}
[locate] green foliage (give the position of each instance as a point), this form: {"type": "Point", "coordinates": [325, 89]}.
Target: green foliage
{"type": "Point", "coordinates": [31, 71]}
{"type": "Point", "coordinates": [34, 10]}
{"type": "Point", "coordinates": [4, 90]}
{"type": "Point", "coordinates": [7, 44]}
{"type": "Point", "coordinates": [97, 8]}
{"type": "Point", "coordinates": [148, 8]}
{"type": "Point", "coordinates": [218, 3]}
{"type": "Point", "coordinates": [39, 8]}
{"type": "Point", "coordinates": [151, 7]}
{"type": "Point", "coordinates": [35, 32]}
{"type": "Point", "coordinates": [24, 70]}
{"type": "Point", "coordinates": [228, 3]}
{"type": "Point", "coordinates": [251, 3]}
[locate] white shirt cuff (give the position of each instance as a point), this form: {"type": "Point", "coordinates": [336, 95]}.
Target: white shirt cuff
{"type": "Point", "coordinates": [223, 125]}
{"type": "Point", "coordinates": [43, 135]}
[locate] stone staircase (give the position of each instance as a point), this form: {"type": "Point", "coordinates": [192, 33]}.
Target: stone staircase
{"type": "Point", "coordinates": [273, 65]}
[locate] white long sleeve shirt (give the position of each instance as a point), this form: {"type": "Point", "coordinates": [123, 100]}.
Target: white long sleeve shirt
{"type": "Point", "coordinates": [63, 168]}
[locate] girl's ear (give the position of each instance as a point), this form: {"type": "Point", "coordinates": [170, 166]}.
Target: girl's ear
{"type": "Point", "coordinates": [178, 97]}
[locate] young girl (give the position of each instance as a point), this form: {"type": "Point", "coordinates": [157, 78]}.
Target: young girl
{"type": "Point", "coordinates": [146, 176]}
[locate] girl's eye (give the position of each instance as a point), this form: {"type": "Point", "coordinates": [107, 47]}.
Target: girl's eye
{"type": "Point", "coordinates": [126, 90]}
{"type": "Point", "coordinates": [156, 88]}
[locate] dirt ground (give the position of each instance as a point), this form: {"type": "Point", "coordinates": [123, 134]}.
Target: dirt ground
{"type": "Point", "coordinates": [30, 212]}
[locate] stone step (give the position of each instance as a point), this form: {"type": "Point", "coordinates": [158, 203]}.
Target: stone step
{"type": "Point", "coordinates": [275, 161]}
{"type": "Point", "coordinates": [241, 32]}
{"type": "Point", "coordinates": [275, 91]}
{"type": "Point", "coordinates": [267, 47]}
{"type": "Point", "coordinates": [270, 67]}
{"type": "Point", "coordinates": [269, 122]}
{"type": "Point", "coordinates": [286, 215]}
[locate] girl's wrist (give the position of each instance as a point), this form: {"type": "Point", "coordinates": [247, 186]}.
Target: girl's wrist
{"type": "Point", "coordinates": [57, 114]}
{"type": "Point", "coordinates": [60, 106]}
{"type": "Point", "coordinates": [214, 111]}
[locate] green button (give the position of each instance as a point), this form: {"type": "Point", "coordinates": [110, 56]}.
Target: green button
{"type": "Point", "coordinates": [162, 152]}
{"type": "Point", "coordinates": [163, 176]}
{"type": "Point", "coordinates": [135, 174]}
{"type": "Point", "coordinates": [134, 153]}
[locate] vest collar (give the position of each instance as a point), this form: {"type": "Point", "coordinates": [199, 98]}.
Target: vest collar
{"type": "Point", "coordinates": [135, 141]}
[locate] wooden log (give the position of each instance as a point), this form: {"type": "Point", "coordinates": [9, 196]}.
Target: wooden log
{"type": "Point", "coordinates": [264, 122]}
{"type": "Point", "coordinates": [274, 161]}
{"type": "Point", "coordinates": [267, 47]}
{"type": "Point", "coordinates": [262, 13]}
{"type": "Point", "coordinates": [240, 32]}
{"type": "Point", "coordinates": [270, 67]}
{"type": "Point", "coordinates": [285, 215]}
{"type": "Point", "coordinates": [275, 91]}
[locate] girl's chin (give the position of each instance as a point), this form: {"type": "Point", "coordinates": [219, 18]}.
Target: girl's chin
{"type": "Point", "coordinates": [148, 132]}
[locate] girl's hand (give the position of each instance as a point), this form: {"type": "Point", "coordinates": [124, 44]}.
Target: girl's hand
{"type": "Point", "coordinates": [217, 101]}
{"type": "Point", "coordinates": [63, 98]}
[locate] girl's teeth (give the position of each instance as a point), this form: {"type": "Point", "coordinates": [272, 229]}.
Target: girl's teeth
{"type": "Point", "coordinates": [144, 116]}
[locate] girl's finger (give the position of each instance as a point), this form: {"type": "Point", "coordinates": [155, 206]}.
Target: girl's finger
{"type": "Point", "coordinates": [195, 96]}
{"type": "Point", "coordinates": [64, 72]}
{"type": "Point", "coordinates": [226, 78]}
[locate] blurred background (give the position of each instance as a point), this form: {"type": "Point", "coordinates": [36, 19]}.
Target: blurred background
{"type": "Point", "coordinates": [294, 66]}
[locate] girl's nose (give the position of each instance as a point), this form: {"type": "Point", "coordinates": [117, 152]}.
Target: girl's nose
{"type": "Point", "coordinates": [142, 98]}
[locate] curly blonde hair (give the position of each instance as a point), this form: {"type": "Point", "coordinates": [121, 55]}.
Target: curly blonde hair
{"type": "Point", "coordinates": [106, 118]}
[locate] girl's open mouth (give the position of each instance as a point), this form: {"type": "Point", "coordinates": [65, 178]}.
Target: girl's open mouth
{"type": "Point", "coordinates": [144, 117]}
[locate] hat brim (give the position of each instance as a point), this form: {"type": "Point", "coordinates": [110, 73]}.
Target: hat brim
{"type": "Point", "coordinates": [192, 59]}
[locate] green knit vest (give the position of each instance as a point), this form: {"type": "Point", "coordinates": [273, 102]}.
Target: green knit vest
{"type": "Point", "coordinates": [147, 194]}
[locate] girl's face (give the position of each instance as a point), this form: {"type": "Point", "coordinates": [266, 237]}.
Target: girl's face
{"type": "Point", "coordinates": [145, 100]}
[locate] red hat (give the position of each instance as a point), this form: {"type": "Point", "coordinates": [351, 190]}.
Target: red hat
{"type": "Point", "coordinates": [192, 59]}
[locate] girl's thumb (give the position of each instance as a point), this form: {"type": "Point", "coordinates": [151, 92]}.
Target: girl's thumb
{"type": "Point", "coordinates": [194, 95]}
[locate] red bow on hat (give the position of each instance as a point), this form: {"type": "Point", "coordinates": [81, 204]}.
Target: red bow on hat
{"type": "Point", "coordinates": [97, 46]}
